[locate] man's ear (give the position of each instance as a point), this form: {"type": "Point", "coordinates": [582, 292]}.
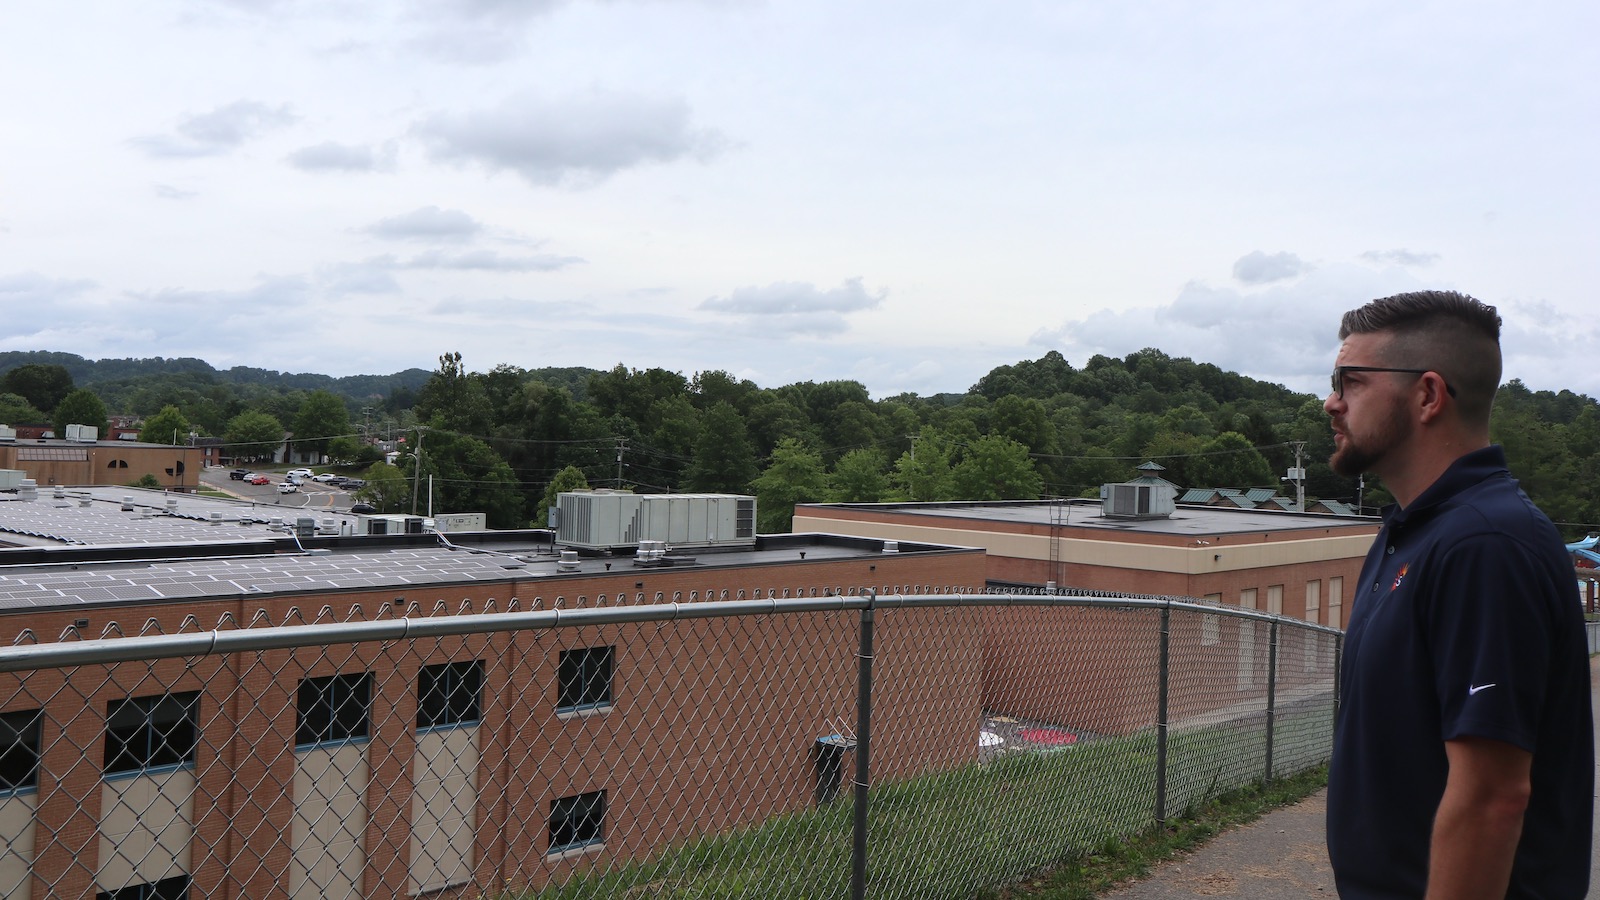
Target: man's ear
{"type": "Point", "coordinates": [1432, 395]}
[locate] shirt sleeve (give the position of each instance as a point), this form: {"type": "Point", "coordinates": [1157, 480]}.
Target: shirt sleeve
{"type": "Point", "coordinates": [1490, 636]}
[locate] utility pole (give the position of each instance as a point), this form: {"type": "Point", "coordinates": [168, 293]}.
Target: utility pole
{"type": "Point", "coordinates": [416, 470]}
{"type": "Point", "coordinates": [622, 445]}
{"type": "Point", "coordinates": [1298, 476]}
{"type": "Point", "coordinates": [911, 483]}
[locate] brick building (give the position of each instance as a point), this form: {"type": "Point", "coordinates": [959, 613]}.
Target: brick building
{"type": "Point", "coordinates": [372, 769]}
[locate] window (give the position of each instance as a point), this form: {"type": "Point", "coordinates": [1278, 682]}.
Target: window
{"type": "Point", "coordinates": [1313, 600]}
{"type": "Point", "coordinates": [577, 821]}
{"type": "Point", "coordinates": [174, 888]}
{"type": "Point", "coordinates": [585, 678]}
{"type": "Point", "coordinates": [334, 708]}
{"type": "Point", "coordinates": [1335, 600]}
{"type": "Point", "coordinates": [151, 732]}
{"type": "Point", "coordinates": [19, 750]}
{"type": "Point", "coordinates": [449, 695]}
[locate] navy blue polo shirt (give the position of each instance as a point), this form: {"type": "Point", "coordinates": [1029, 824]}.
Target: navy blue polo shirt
{"type": "Point", "coordinates": [1465, 623]}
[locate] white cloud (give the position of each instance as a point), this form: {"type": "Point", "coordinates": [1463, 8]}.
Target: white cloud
{"type": "Point", "coordinates": [1285, 333]}
{"type": "Point", "coordinates": [218, 131]}
{"type": "Point", "coordinates": [1400, 257]}
{"type": "Point", "coordinates": [428, 223]}
{"type": "Point", "coordinates": [1264, 268]}
{"type": "Point", "coordinates": [490, 261]}
{"type": "Point", "coordinates": [330, 156]}
{"type": "Point", "coordinates": [580, 139]}
{"type": "Point", "coordinates": [797, 308]}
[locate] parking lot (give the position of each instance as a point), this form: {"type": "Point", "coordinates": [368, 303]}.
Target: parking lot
{"type": "Point", "coordinates": [311, 495]}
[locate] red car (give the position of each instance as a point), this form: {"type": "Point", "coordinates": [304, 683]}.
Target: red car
{"type": "Point", "coordinates": [261, 479]}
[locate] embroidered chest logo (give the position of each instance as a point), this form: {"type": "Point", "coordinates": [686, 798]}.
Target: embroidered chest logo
{"type": "Point", "coordinates": [1400, 576]}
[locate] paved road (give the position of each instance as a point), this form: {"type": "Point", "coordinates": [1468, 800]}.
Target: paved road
{"type": "Point", "coordinates": [312, 496]}
{"type": "Point", "coordinates": [1283, 854]}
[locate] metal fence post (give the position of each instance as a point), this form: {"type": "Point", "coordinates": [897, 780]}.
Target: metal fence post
{"type": "Point", "coordinates": [1161, 716]}
{"type": "Point", "coordinates": [1272, 692]}
{"type": "Point", "coordinates": [858, 850]}
{"type": "Point", "coordinates": [1338, 652]}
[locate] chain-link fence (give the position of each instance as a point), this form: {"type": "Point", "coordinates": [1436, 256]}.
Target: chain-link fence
{"type": "Point", "coordinates": [890, 746]}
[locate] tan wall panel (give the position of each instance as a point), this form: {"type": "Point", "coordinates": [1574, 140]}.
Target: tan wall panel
{"type": "Point", "coordinates": [146, 828]}
{"type": "Point", "coordinates": [17, 827]}
{"type": "Point", "coordinates": [444, 772]}
{"type": "Point", "coordinates": [330, 818]}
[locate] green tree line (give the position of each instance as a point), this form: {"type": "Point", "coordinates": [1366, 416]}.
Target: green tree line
{"type": "Point", "coordinates": [502, 441]}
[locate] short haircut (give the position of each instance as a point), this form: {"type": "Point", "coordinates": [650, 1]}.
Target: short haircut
{"type": "Point", "coordinates": [1453, 334]}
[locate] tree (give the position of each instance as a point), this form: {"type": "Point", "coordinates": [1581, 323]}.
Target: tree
{"type": "Point", "coordinates": [81, 407]}
{"type": "Point", "coordinates": [455, 399]}
{"type": "Point", "coordinates": [923, 472]}
{"type": "Point", "coordinates": [253, 435]}
{"type": "Point", "coordinates": [794, 476]}
{"type": "Point", "coordinates": [43, 386]}
{"type": "Point", "coordinates": [387, 488]}
{"type": "Point", "coordinates": [723, 460]}
{"type": "Point", "coordinates": [322, 417]}
{"type": "Point", "coordinates": [1230, 460]}
{"type": "Point", "coordinates": [567, 480]}
{"type": "Point", "coordinates": [996, 468]}
{"type": "Point", "coordinates": [165, 427]}
{"type": "Point", "coordinates": [468, 476]}
{"type": "Point", "coordinates": [16, 410]}
{"type": "Point", "coordinates": [858, 477]}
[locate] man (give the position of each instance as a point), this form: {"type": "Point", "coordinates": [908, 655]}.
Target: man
{"type": "Point", "coordinates": [1463, 757]}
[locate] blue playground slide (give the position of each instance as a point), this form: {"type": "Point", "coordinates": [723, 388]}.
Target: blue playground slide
{"type": "Point", "coordinates": [1584, 549]}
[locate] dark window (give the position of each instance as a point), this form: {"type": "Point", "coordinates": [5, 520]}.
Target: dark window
{"type": "Point", "coordinates": [449, 694]}
{"type": "Point", "coordinates": [585, 678]}
{"type": "Point", "coordinates": [174, 888]}
{"type": "Point", "coordinates": [150, 732]}
{"type": "Point", "coordinates": [19, 750]}
{"type": "Point", "coordinates": [577, 821]}
{"type": "Point", "coordinates": [334, 708]}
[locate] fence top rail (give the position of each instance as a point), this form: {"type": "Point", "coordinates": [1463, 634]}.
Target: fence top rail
{"type": "Point", "coordinates": [282, 637]}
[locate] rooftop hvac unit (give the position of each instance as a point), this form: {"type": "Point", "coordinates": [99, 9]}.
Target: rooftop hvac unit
{"type": "Point", "coordinates": [11, 479]}
{"type": "Point", "coordinates": [8, 434]}
{"type": "Point", "coordinates": [1136, 501]}
{"type": "Point", "coordinates": [305, 527]}
{"type": "Point", "coordinates": [83, 434]}
{"type": "Point", "coordinates": [607, 521]}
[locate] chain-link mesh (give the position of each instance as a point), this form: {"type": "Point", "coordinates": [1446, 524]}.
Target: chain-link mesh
{"type": "Point", "coordinates": [642, 753]}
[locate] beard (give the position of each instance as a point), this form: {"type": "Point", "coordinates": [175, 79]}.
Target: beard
{"type": "Point", "coordinates": [1364, 454]}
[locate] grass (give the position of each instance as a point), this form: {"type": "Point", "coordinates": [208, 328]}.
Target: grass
{"type": "Point", "coordinates": [1121, 860]}
{"type": "Point", "coordinates": [1028, 824]}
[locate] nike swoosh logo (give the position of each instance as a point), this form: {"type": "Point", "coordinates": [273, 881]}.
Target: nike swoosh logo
{"type": "Point", "coordinates": [1473, 689]}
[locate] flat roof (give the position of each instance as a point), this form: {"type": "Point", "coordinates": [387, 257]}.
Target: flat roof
{"type": "Point", "coordinates": [1185, 521]}
{"type": "Point", "coordinates": [84, 550]}
{"type": "Point", "coordinates": [84, 516]}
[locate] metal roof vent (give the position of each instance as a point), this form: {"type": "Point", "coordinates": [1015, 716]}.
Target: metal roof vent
{"type": "Point", "coordinates": [216, 518]}
{"type": "Point", "coordinates": [127, 503]}
{"type": "Point", "coordinates": [891, 546]}
{"type": "Point", "coordinates": [568, 561]}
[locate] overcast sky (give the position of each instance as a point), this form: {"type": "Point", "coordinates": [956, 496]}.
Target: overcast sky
{"type": "Point", "coordinates": [902, 193]}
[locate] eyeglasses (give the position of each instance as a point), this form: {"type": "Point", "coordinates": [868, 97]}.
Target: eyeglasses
{"type": "Point", "coordinates": [1340, 371]}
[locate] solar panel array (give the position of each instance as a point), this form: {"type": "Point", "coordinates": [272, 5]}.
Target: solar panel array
{"type": "Point", "coordinates": [284, 573]}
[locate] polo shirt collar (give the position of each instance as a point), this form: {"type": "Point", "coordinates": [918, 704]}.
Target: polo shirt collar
{"type": "Point", "coordinates": [1465, 472]}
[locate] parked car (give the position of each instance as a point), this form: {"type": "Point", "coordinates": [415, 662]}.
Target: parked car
{"type": "Point", "coordinates": [299, 473]}
{"type": "Point", "coordinates": [259, 479]}
{"type": "Point", "coordinates": [287, 487]}
{"type": "Point", "coordinates": [351, 484]}
{"type": "Point", "coordinates": [366, 509]}
{"type": "Point", "coordinates": [327, 477]}
{"type": "Point", "coordinates": [239, 474]}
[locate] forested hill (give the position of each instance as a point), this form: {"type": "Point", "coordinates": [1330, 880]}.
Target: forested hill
{"type": "Point", "coordinates": [118, 375]}
{"type": "Point", "coordinates": [504, 440]}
